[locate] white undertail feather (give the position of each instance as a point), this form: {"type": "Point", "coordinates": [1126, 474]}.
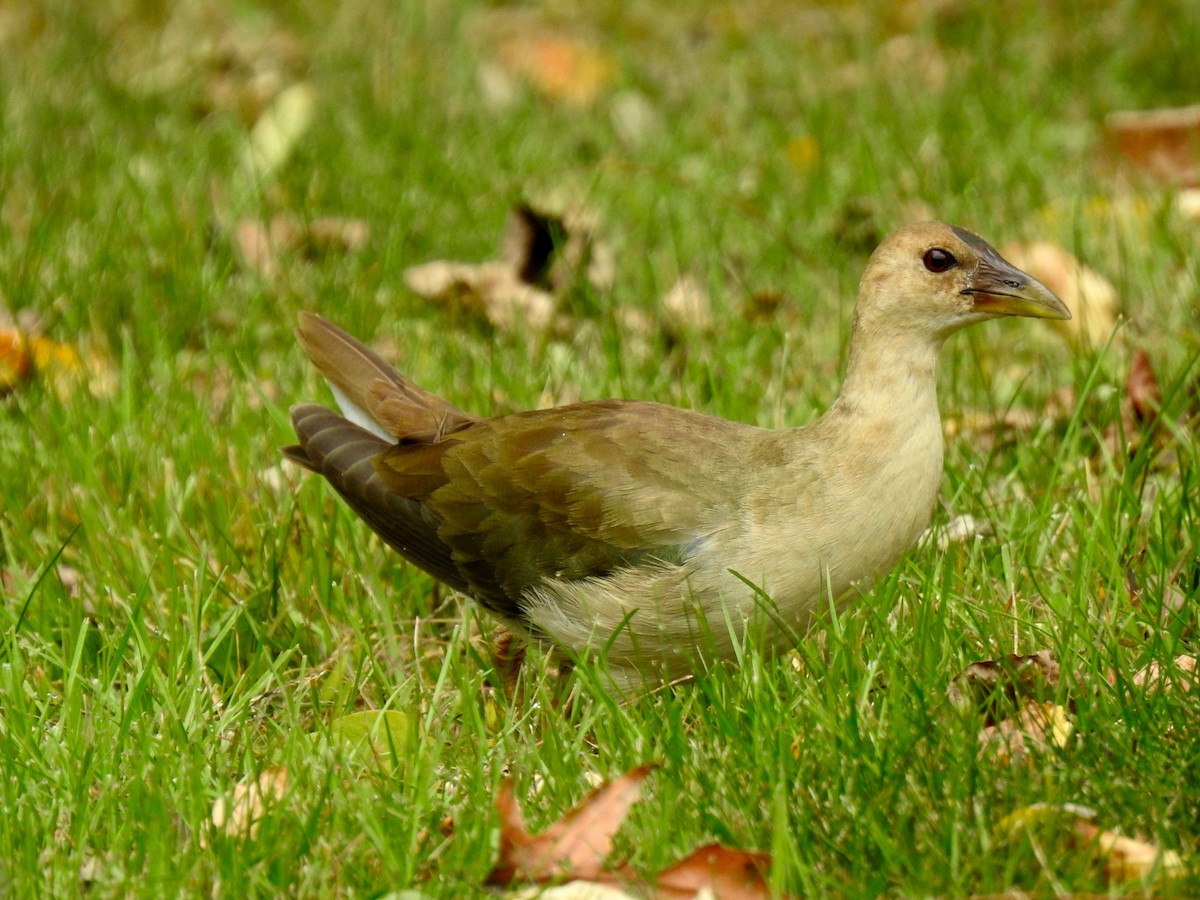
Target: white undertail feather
{"type": "Point", "coordinates": [358, 415]}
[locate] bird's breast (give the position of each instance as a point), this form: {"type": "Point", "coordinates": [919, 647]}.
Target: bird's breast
{"type": "Point", "coordinates": [842, 515]}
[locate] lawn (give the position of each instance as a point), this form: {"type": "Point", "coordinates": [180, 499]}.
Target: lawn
{"type": "Point", "coordinates": [183, 613]}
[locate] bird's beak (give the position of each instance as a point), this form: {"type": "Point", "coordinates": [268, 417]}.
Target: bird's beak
{"type": "Point", "coordinates": [1001, 289]}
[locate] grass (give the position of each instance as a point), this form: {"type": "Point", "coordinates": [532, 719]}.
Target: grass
{"type": "Point", "coordinates": [177, 618]}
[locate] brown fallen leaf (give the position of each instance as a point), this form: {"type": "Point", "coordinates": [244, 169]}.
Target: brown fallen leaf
{"type": "Point", "coordinates": [1163, 143]}
{"type": "Point", "coordinates": [1038, 726]}
{"type": "Point", "coordinates": [491, 290]}
{"type": "Point", "coordinates": [559, 67]}
{"type": "Point", "coordinates": [716, 871]}
{"type": "Point", "coordinates": [240, 815]}
{"type": "Point", "coordinates": [540, 256]}
{"type": "Point", "coordinates": [227, 63]}
{"type": "Point", "coordinates": [687, 307]}
{"type": "Point", "coordinates": [573, 890]}
{"type": "Point", "coordinates": [1142, 394]}
{"type": "Point", "coordinates": [1124, 859]}
{"type": "Point", "coordinates": [1183, 673]}
{"type": "Point", "coordinates": [997, 688]}
{"type": "Point", "coordinates": [262, 245]}
{"type": "Point", "coordinates": [1127, 859]}
{"type": "Point", "coordinates": [573, 847]}
{"type": "Point", "coordinates": [16, 365]}
{"type": "Point", "coordinates": [62, 367]}
{"type": "Point", "coordinates": [1090, 296]}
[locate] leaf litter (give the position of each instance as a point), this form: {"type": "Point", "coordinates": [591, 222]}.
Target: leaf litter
{"type": "Point", "coordinates": [576, 849]}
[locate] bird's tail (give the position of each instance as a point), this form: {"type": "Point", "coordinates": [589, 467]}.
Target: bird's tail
{"type": "Point", "coordinates": [372, 394]}
{"type": "Point", "coordinates": [345, 455]}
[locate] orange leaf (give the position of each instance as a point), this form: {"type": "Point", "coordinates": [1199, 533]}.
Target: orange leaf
{"type": "Point", "coordinates": [1141, 390]}
{"type": "Point", "coordinates": [561, 68]}
{"type": "Point", "coordinates": [573, 847]}
{"type": "Point", "coordinates": [721, 872]}
{"type": "Point", "coordinates": [1164, 143]}
{"type": "Point", "coordinates": [15, 364]}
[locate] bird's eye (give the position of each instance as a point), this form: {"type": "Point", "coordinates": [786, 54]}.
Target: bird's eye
{"type": "Point", "coordinates": [939, 260]}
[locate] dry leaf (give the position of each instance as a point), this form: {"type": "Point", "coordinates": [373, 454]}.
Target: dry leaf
{"type": "Point", "coordinates": [260, 245]}
{"type": "Point", "coordinates": [1188, 204]}
{"type": "Point", "coordinates": [573, 847]}
{"type": "Point", "coordinates": [687, 306]}
{"type": "Point", "coordinates": [240, 816]}
{"type": "Point", "coordinates": [540, 255]}
{"type": "Point", "coordinates": [995, 687]}
{"type": "Point", "coordinates": [1128, 859]}
{"type": "Point", "coordinates": [575, 890]}
{"type": "Point", "coordinates": [1163, 143]}
{"type": "Point", "coordinates": [958, 530]}
{"type": "Point", "coordinates": [1183, 673]}
{"type": "Point", "coordinates": [16, 366]}
{"type": "Point", "coordinates": [1125, 859]}
{"type": "Point", "coordinates": [634, 118]}
{"type": "Point", "coordinates": [722, 873]}
{"type": "Point", "coordinates": [231, 64]}
{"type": "Point", "coordinates": [1038, 726]}
{"type": "Point", "coordinates": [1089, 296]}
{"type": "Point", "coordinates": [577, 845]}
{"type": "Point", "coordinates": [492, 290]}
{"type": "Point", "coordinates": [277, 132]}
{"type": "Point", "coordinates": [60, 366]}
{"type": "Point", "coordinates": [1141, 392]}
{"type": "Point", "coordinates": [561, 68]}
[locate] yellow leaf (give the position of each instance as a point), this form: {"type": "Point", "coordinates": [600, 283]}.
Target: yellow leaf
{"type": "Point", "coordinates": [277, 131]}
{"type": "Point", "coordinates": [803, 152]}
{"type": "Point", "coordinates": [374, 734]}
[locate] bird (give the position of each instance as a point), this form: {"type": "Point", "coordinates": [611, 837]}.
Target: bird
{"type": "Point", "coordinates": [661, 538]}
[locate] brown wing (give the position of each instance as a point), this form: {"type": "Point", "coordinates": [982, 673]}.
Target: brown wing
{"type": "Point", "coordinates": [573, 492]}
{"type": "Point", "coordinates": [494, 506]}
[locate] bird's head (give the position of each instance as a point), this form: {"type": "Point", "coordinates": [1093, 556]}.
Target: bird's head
{"type": "Point", "coordinates": [934, 278]}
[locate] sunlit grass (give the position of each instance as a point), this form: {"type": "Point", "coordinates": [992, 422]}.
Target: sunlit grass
{"type": "Point", "coordinates": [181, 613]}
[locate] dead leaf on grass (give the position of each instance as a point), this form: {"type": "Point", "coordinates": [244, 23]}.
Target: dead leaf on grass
{"type": "Point", "coordinates": [1142, 394]}
{"type": "Point", "coordinates": [573, 847]}
{"type": "Point", "coordinates": [1124, 859]}
{"type": "Point", "coordinates": [687, 306]}
{"type": "Point", "coordinates": [1037, 727]}
{"type": "Point", "coordinates": [262, 246]}
{"type": "Point", "coordinates": [62, 367]}
{"type": "Point", "coordinates": [997, 688]}
{"type": "Point", "coordinates": [277, 132]}
{"type": "Point", "coordinates": [577, 846]}
{"type": "Point", "coordinates": [559, 67]}
{"type": "Point", "coordinates": [716, 871]}
{"type": "Point", "coordinates": [1163, 143]}
{"type": "Point", "coordinates": [1090, 296]}
{"type": "Point", "coordinates": [1183, 673]}
{"type": "Point", "coordinates": [540, 256]}
{"type": "Point", "coordinates": [241, 814]}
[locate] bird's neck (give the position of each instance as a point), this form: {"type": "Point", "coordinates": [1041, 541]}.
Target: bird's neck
{"type": "Point", "coordinates": [890, 376]}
